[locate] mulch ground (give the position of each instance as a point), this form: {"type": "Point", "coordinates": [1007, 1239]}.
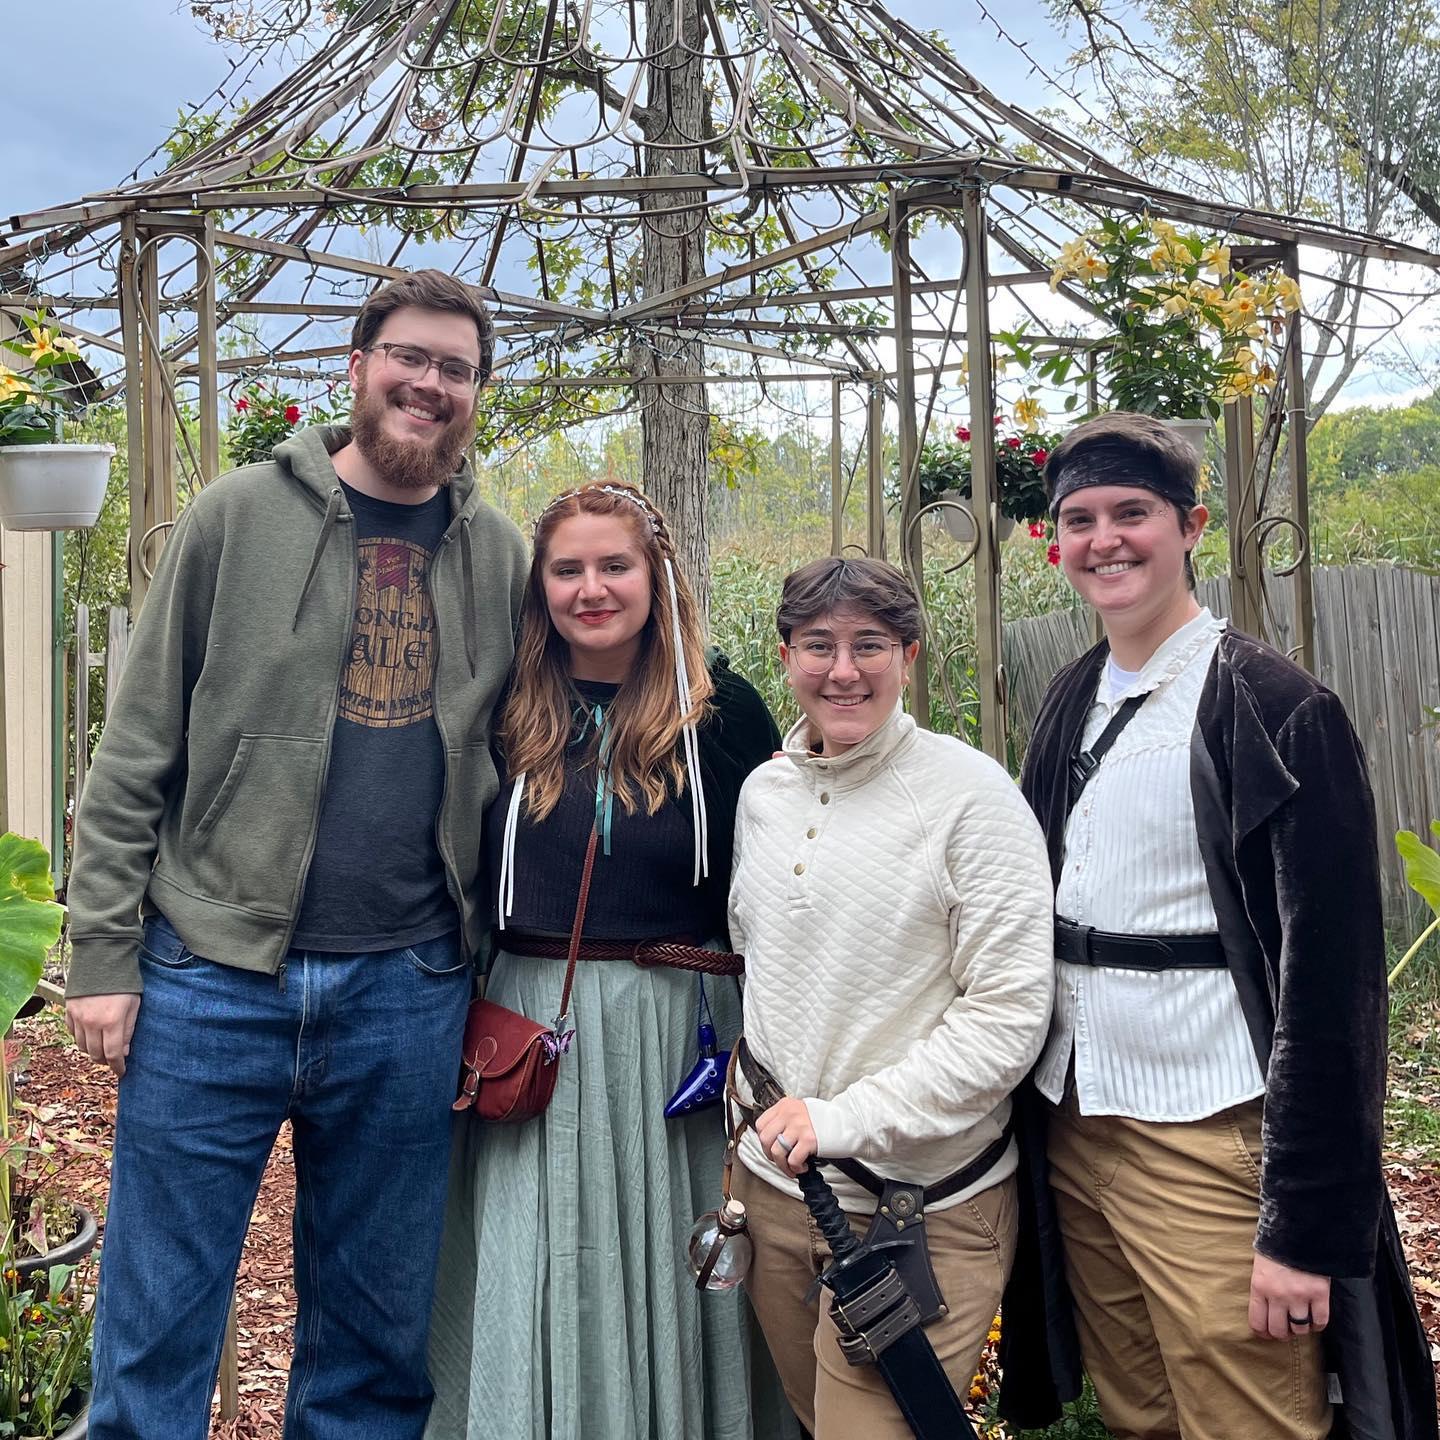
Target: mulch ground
{"type": "Point", "coordinates": [81, 1098]}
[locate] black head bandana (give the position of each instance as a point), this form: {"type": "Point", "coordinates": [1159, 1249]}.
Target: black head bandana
{"type": "Point", "coordinates": [1117, 463]}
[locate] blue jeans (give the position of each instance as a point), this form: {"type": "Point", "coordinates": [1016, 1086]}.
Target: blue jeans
{"type": "Point", "coordinates": [360, 1053]}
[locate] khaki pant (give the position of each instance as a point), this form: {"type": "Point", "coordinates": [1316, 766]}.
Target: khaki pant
{"type": "Point", "coordinates": [971, 1247]}
{"type": "Point", "coordinates": [1159, 1223]}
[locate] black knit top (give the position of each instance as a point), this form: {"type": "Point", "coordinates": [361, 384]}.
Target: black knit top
{"type": "Point", "coordinates": [643, 888]}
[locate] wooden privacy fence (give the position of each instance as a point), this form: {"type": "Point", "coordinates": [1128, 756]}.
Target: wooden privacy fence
{"type": "Point", "coordinates": [1377, 631]}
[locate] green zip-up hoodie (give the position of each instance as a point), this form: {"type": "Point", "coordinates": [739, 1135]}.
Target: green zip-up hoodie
{"type": "Point", "coordinates": [205, 795]}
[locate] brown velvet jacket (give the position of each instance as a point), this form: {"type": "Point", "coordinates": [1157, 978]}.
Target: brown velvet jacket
{"type": "Point", "coordinates": [1286, 825]}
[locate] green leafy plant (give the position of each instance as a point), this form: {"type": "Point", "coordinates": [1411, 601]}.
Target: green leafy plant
{"type": "Point", "coordinates": [1422, 873]}
{"type": "Point", "coordinates": [1020, 457]}
{"type": "Point", "coordinates": [264, 415]}
{"type": "Point", "coordinates": [45, 1331]}
{"type": "Point", "coordinates": [45, 1320]}
{"type": "Point", "coordinates": [39, 1155]}
{"type": "Point", "coordinates": [29, 925]}
{"type": "Point", "coordinates": [31, 401]}
{"type": "Point", "coordinates": [1187, 331]}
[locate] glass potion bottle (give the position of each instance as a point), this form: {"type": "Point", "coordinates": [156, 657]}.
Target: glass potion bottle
{"type": "Point", "coordinates": [720, 1250]}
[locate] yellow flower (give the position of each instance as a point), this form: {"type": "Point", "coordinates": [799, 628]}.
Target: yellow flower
{"type": "Point", "coordinates": [1265, 376]}
{"type": "Point", "coordinates": [1092, 267]}
{"type": "Point", "coordinates": [12, 386]}
{"type": "Point", "coordinates": [1245, 357]}
{"type": "Point", "coordinates": [1216, 257]}
{"type": "Point", "coordinates": [1178, 303]}
{"type": "Point", "coordinates": [1238, 385]}
{"type": "Point", "coordinates": [1029, 413]}
{"type": "Point", "coordinates": [1069, 262]}
{"type": "Point", "coordinates": [1164, 229]}
{"type": "Point", "coordinates": [1241, 310]}
{"type": "Point", "coordinates": [1287, 292]}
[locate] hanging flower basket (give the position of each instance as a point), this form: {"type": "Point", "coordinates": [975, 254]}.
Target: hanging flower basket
{"type": "Point", "coordinates": [53, 487]}
{"type": "Point", "coordinates": [1195, 433]}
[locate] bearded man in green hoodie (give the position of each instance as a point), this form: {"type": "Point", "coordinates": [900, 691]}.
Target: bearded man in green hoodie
{"type": "Point", "coordinates": [274, 903]}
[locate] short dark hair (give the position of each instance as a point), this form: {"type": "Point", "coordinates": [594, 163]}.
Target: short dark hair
{"type": "Point", "coordinates": [427, 290]}
{"type": "Point", "coordinates": [873, 587]}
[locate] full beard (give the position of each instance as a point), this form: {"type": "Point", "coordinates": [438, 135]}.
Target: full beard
{"type": "Point", "coordinates": [407, 464]}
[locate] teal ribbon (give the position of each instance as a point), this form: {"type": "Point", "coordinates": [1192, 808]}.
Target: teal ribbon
{"type": "Point", "coordinates": [604, 793]}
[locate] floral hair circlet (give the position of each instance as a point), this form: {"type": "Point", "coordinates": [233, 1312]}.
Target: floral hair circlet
{"type": "Point", "coordinates": [637, 500]}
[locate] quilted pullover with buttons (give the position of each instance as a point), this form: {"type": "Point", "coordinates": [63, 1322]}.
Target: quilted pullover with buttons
{"type": "Point", "coordinates": [893, 904]}
{"type": "Point", "coordinates": [205, 795]}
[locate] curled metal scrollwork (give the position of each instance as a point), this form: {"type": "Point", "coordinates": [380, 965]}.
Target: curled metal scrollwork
{"type": "Point", "coordinates": [1259, 535]}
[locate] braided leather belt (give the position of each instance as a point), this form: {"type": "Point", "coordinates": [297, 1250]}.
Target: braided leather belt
{"type": "Point", "coordinates": [675, 954]}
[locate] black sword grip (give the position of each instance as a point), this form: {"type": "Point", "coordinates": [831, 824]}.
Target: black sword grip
{"type": "Point", "coordinates": [822, 1204]}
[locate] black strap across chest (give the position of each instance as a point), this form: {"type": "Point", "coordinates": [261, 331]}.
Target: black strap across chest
{"type": "Point", "coordinates": [1084, 763]}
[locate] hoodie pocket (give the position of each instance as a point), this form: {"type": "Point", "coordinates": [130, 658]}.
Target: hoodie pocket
{"type": "Point", "coordinates": [251, 841]}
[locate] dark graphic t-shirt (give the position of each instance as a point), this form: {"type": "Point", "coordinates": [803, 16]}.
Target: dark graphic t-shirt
{"type": "Point", "coordinates": [376, 880]}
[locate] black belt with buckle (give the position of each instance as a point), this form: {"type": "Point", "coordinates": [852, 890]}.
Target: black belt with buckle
{"type": "Point", "coordinates": [1082, 945]}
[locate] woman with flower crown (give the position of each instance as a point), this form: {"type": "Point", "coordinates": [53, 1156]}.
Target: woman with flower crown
{"type": "Point", "coordinates": [564, 1307]}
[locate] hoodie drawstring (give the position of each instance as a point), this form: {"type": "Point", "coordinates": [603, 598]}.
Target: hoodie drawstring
{"type": "Point", "coordinates": [327, 526]}
{"type": "Point", "coordinates": [467, 568]}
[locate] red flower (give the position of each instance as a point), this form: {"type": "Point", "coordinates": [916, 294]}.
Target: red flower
{"type": "Point", "coordinates": [998, 420]}
{"type": "Point", "coordinates": [962, 432]}
{"type": "Point", "coordinates": [242, 404]}
{"type": "Point", "coordinates": [1053, 554]}
{"type": "Point", "coordinates": [1013, 443]}
{"type": "Point", "coordinates": [1037, 529]}
{"type": "Point", "coordinates": [292, 414]}
{"type": "Point", "coordinates": [1040, 456]}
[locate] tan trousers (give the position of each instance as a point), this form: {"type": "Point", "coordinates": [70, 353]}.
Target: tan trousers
{"type": "Point", "coordinates": [971, 1247]}
{"type": "Point", "coordinates": [1159, 1223]}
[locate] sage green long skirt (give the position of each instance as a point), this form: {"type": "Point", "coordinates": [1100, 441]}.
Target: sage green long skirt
{"type": "Point", "coordinates": [564, 1306]}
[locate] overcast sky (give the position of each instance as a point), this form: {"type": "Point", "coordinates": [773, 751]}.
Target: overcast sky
{"type": "Point", "coordinates": [109, 78]}
{"type": "Point", "coordinates": [122, 69]}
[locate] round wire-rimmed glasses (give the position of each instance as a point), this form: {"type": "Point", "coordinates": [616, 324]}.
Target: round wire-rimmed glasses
{"type": "Point", "coordinates": [871, 656]}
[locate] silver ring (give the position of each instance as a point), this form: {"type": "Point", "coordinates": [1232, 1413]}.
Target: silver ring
{"type": "Point", "coordinates": [784, 1142]}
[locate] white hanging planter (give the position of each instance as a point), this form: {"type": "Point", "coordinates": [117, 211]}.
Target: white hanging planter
{"type": "Point", "coordinates": [960, 524]}
{"type": "Point", "coordinates": [53, 487]}
{"type": "Point", "coordinates": [1195, 432]}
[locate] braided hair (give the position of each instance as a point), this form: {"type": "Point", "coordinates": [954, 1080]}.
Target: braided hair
{"type": "Point", "coordinates": [652, 730]}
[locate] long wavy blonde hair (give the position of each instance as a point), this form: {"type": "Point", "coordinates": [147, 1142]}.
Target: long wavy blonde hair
{"type": "Point", "coordinates": [644, 718]}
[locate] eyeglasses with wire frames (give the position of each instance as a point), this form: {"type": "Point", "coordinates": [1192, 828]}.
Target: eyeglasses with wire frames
{"type": "Point", "coordinates": [412, 363]}
{"type": "Point", "coordinates": [871, 654]}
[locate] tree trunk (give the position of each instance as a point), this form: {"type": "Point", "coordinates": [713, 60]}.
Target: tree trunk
{"type": "Point", "coordinates": [674, 418]}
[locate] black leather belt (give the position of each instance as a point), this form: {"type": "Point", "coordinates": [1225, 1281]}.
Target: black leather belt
{"type": "Point", "coordinates": [1082, 945]}
{"type": "Point", "coordinates": [768, 1091]}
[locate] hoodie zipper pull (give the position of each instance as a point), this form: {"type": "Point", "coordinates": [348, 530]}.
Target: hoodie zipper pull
{"type": "Point", "coordinates": [282, 977]}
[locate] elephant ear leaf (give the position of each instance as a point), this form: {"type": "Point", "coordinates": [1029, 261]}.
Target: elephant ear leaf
{"type": "Point", "coordinates": [1422, 865]}
{"type": "Point", "coordinates": [29, 920]}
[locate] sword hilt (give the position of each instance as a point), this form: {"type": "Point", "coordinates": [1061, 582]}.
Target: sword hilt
{"type": "Point", "coordinates": [821, 1201]}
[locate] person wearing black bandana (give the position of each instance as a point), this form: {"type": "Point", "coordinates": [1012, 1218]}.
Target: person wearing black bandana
{"type": "Point", "coordinates": [1204, 1219]}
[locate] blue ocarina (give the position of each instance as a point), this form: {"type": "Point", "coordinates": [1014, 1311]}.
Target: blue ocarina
{"type": "Point", "coordinates": [705, 1084]}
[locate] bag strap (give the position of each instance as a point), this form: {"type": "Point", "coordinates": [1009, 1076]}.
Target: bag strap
{"type": "Point", "coordinates": [1084, 763]}
{"type": "Point", "coordinates": [581, 901]}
